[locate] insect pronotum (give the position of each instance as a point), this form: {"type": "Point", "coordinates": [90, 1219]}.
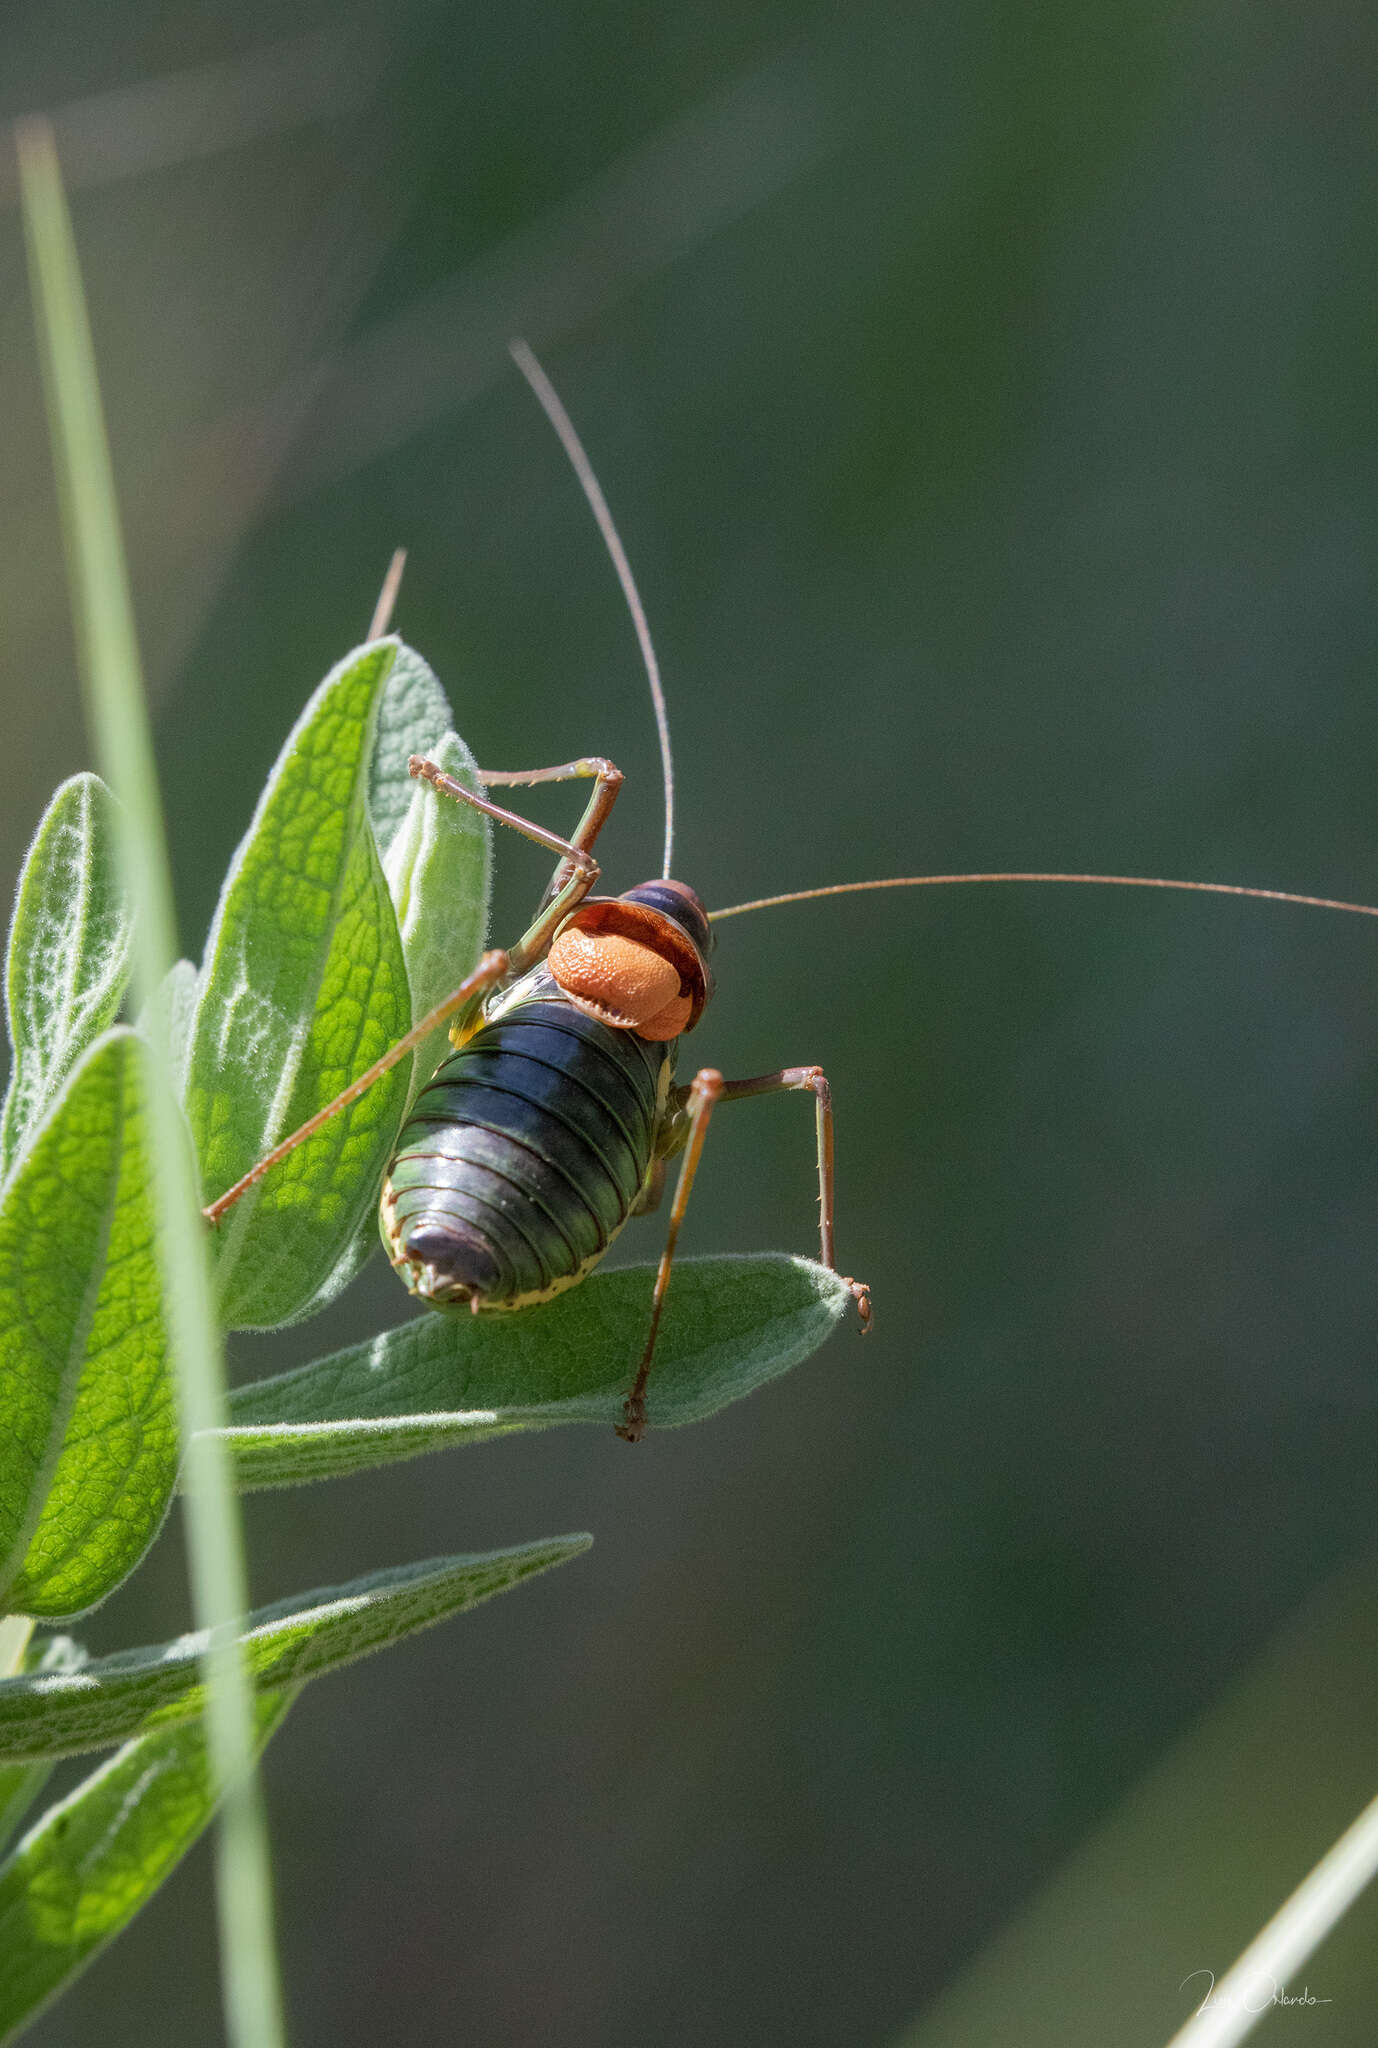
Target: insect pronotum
{"type": "Point", "coordinates": [555, 1117]}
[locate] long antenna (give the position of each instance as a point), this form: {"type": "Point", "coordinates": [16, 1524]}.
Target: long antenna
{"type": "Point", "coordinates": [554, 411]}
{"type": "Point", "coordinates": [1104, 881]}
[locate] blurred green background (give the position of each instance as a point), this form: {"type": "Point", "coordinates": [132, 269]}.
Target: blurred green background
{"type": "Point", "coordinates": [987, 398]}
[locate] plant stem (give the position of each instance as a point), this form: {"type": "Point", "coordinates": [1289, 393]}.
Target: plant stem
{"type": "Point", "coordinates": [1258, 1980]}
{"type": "Point", "coordinates": [118, 721]}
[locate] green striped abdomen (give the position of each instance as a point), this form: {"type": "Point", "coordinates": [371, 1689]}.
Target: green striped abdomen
{"type": "Point", "coordinates": [523, 1156]}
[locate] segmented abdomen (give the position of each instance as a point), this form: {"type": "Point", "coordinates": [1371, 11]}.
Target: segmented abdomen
{"type": "Point", "coordinates": [522, 1157]}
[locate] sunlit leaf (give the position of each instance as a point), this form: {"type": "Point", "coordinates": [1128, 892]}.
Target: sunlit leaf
{"type": "Point", "coordinates": [438, 871]}
{"type": "Point", "coordinates": [304, 986]}
{"type": "Point", "coordinates": [413, 718]}
{"type": "Point", "coordinates": [88, 1451]}
{"type": "Point", "coordinates": [730, 1325]}
{"type": "Point", "coordinates": [68, 953]}
{"type": "Point", "coordinates": [436, 858]}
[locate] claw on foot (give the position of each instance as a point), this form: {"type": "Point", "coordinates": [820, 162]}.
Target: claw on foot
{"type": "Point", "coordinates": [861, 1295]}
{"type": "Point", "coordinates": [634, 1428]}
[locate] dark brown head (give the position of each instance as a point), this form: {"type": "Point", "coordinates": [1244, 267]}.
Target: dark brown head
{"type": "Point", "coordinates": [638, 962]}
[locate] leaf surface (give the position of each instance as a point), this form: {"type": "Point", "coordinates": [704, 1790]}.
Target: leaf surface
{"type": "Point", "coordinates": [730, 1325]}
{"type": "Point", "coordinates": [88, 1435]}
{"type": "Point", "coordinates": [436, 858]}
{"type": "Point", "coordinates": [438, 869]}
{"type": "Point", "coordinates": [304, 985]}
{"type": "Point", "coordinates": [136, 1691]}
{"type": "Point", "coordinates": [68, 957]}
{"type": "Point", "coordinates": [413, 718]}
{"type": "Point", "coordinates": [20, 1784]}
{"type": "Point", "coordinates": [81, 1874]}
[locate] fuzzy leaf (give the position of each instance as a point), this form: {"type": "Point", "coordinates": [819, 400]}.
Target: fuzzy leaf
{"type": "Point", "coordinates": [88, 1441]}
{"type": "Point", "coordinates": [81, 1874]}
{"type": "Point", "coordinates": [304, 985]}
{"type": "Point", "coordinates": [68, 953]}
{"type": "Point", "coordinates": [414, 716]}
{"type": "Point", "coordinates": [438, 869]}
{"type": "Point", "coordinates": [136, 1691]}
{"type": "Point", "coordinates": [436, 857]}
{"type": "Point", "coordinates": [730, 1325]}
{"type": "Point", "coordinates": [20, 1784]}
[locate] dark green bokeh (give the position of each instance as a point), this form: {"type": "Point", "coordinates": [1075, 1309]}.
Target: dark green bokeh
{"type": "Point", "coordinates": [986, 395]}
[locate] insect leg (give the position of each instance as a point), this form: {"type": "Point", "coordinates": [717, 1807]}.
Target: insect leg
{"type": "Point", "coordinates": [705, 1089]}
{"type": "Point", "coordinates": [577, 870]}
{"type": "Point", "coordinates": [491, 969]}
{"type": "Point", "coordinates": [814, 1079]}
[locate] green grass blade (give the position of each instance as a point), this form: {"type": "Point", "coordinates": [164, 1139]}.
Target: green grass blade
{"type": "Point", "coordinates": [1245, 1994]}
{"type": "Point", "coordinates": [68, 958]}
{"type": "Point", "coordinates": [118, 721]}
{"type": "Point", "coordinates": [80, 1875]}
{"type": "Point", "coordinates": [90, 1444]}
{"type": "Point", "coordinates": [136, 1691]}
{"type": "Point", "coordinates": [181, 993]}
{"type": "Point", "coordinates": [730, 1325]}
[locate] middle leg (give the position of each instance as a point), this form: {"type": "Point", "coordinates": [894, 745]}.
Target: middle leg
{"type": "Point", "coordinates": [785, 1081]}
{"type": "Point", "coordinates": [688, 1129]}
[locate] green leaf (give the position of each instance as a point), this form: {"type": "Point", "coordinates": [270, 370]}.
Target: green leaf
{"type": "Point", "coordinates": [436, 857]}
{"type": "Point", "coordinates": [20, 1784]}
{"type": "Point", "coordinates": [413, 718]}
{"type": "Point", "coordinates": [730, 1325]}
{"type": "Point", "coordinates": [68, 953]}
{"type": "Point", "coordinates": [79, 1877]}
{"type": "Point", "coordinates": [88, 1452]}
{"type": "Point", "coordinates": [437, 854]}
{"type": "Point", "coordinates": [438, 869]}
{"type": "Point", "coordinates": [304, 986]}
{"type": "Point", "coordinates": [136, 1691]}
